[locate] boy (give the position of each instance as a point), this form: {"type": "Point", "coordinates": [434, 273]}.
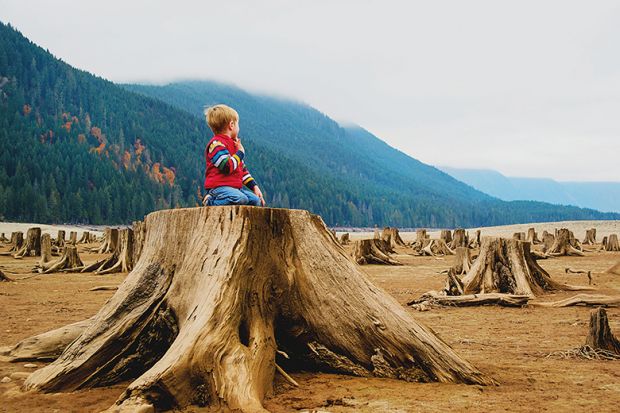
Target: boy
{"type": "Point", "coordinates": [226, 173]}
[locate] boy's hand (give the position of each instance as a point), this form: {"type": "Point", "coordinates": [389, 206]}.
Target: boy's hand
{"type": "Point", "coordinates": [259, 194]}
{"type": "Point", "coordinates": [239, 145]}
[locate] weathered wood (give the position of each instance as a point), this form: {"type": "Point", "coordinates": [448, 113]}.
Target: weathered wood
{"type": "Point", "coordinates": [600, 335]}
{"type": "Point", "coordinates": [475, 241]}
{"type": "Point", "coordinates": [73, 237]}
{"type": "Point", "coordinates": [507, 266]}
{"type": "Point", "coordinates": [563, 245]}
{"type": "Point", "coordinates": [46, 253]}
{"type": "Point", "coordinates": [612, 243]}
{"type": "Point", "coordinates": [60, 239]}
{"type": "Point", "coordinates": [4, 239]}
{"type": "Point", "coordinates": [519, 236]}
{"type": "Point", "coordinates": [32, 244]}
{"type": "Point", "coordinates": [394, 236]}
{"type": "Point", "coordinates": [571, 271]}
{"type": "Point", "coordinates": [459, 239]}
{"type": "Point", "coordinates": [462, 260]}
{"type": "Point", "coordinates": [198, 320]}
{"type": "Point", "coordinates": [139, 234]}
{"type": "Point", "coordinates": [122, 258]}
{"type": "Point", "coordinates": [372, 251]}
{"type": "Point", "coordinates": [69, 261]}
{"type": "Point", "coordinates": [436, 247]}
{"type": "Point", "coordinates": [468, 300]}
{"type": "Point", "coordinates": [446, 235]}
{"type": "Point", "coordinates": [548, 240]}
{"type": "Point", "coordinates": [110, 241]}
{"type": "Point", "coordinates": [345, 239]}
{"type": "Point", "coordinates": [590, 238]}
{"type": "Point", "coordinates": [532, 236]}
{"type": "Point", "coordinates": [104, 288]}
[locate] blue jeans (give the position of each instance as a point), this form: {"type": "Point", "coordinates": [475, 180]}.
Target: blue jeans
{"type": "Point", "coordinates": [227, 195]}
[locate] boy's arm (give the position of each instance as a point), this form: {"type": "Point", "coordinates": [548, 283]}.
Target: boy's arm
{"type": "Point", "coordinates": [222, 159]}
{"type": "Point", "coordinates": [249, 181]}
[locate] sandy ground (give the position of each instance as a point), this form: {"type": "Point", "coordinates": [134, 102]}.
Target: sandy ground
{"type": "Point", "coordinates": [510, 345]}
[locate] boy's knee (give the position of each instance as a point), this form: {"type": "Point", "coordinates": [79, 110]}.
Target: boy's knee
{"type": "Point", "coordinates": [239, 199]}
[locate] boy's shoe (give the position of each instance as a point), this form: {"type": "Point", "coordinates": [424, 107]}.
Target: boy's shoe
{"type": "Point", "coordinates": [205, 200]}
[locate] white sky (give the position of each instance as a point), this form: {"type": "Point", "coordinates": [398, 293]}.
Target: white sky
{"type": "Point", "coordinates": [529, 88]}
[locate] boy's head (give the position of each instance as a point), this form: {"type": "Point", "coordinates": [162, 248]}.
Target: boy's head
{"type": "Point", "coordinates": [223, 119]}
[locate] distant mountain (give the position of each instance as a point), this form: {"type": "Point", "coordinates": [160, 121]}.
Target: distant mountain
{"type": "Point", "coordinates": [78, 148]}
{"type": "Point", "coordinates": [603, 196]}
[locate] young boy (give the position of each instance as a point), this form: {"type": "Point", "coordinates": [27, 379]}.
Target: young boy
{"type": "Point", "coordinates": [226, 173]}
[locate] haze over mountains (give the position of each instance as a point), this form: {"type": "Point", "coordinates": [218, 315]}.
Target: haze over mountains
{"type": "Point", "coordinates": [602, 196]}
{"type": "Point", "coordinates": [78, 148]}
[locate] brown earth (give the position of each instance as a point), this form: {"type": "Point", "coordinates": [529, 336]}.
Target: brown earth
{"type": "Point", "coordinates": [509, 344]}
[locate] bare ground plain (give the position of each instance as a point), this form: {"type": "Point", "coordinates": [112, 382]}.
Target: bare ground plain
{"type": "Point", "coordinates": [511, 345]}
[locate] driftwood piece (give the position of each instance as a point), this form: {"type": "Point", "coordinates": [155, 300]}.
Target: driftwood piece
{"type": "Point", "coordinates": [600, 335]}
{"type": "Point", "coordinates": [104, 288]}
{"type": "Point", "coordinates": [564, 245]}
{"type": "Point", "coordinates": [590, 238]}
{"type": "Point", "coordinates": [468, 300]}
{"type": "Point", "coordinates": [46, 346]}
{"type": "Point", "coordinates": [612, 243]}
{"type": "Point", "coordinates": [582, 299]}
{"type": "Point", "coordinates": [459, 239]}
{"type": "Point", "coordinates": [32, 244]}
{"type": "Point", "coordinates": [69, 261]}
{"type": "Point", "coordinates": [345, 239]}
{"type": "Point", "coordinates": [507, 266]}
{"type": "Point", "coordinates": [372, 251]}
{"type": "Point", "coordinates": [198, 320]}
{"type": "Point", "coordinates": [571, 271]}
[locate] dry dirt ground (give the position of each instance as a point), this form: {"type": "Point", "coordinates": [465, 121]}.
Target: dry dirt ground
{"type": "Point", "coordinates": [511, 345]}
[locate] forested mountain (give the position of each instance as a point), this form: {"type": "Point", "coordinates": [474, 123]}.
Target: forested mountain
{"type": "Point", "coordinates": [603, 196]}
{"type": "Point", "coordinates": [78, 148]}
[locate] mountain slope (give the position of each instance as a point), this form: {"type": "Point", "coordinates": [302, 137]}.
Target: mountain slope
{"type": "Point", "coordinates": [78, 148]}
{"type": "Point", "coordinates": [604, 196]}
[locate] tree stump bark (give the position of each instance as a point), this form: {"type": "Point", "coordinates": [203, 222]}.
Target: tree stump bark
{"type": "Point", "coordinates": [69, 261]}
{"type": "Point", "coordinates": [532, 236]}
{"type": "Point", "coordinates": [459, 239]}
{"type": "Point", "coordinates": [372, 251]}
{"type": "Point", "coordinates": [199, 320]}
{"type": "Point", "coordinates": [345, 239]}
{"type": "Point", "coordinates": [139, 234]}
{"type": "Point", "coordinates": [506, 266]}
{"type": "Point", "coordinates": [600, 335]}
{"type": "Point", "coordinates": [612, 243]}
{"type": "Point", "coordinates": [446, 235]}
{"type": "Point", "coordinates": [32, 244]}
{"type": "Point", "coordinates": [73, 238]}
{"type": "Point", "coordinates": [590, 238]}
{"type": "Point", "coordinates": [519, 236]}
{"type": "Point", "coordinates": [563, 245]}
{"type": "Point", "coordinates": [462, 261]}
{"type": "Point", "coordinates": [547, 240]}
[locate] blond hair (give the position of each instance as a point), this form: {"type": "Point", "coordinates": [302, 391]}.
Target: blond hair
{"type": "Point", "coordinates": [219, 116]}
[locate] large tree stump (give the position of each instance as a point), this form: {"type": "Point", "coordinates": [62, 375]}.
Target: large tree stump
{"type": "Point", "coordinates": [436, 247]}
{"type": "Point", "coordinates": [372, 251]}
{"type": "Point", "coordinates": [599, 335]}
{"type": "Point", "coordinates": [532, 236]}
{"type": "Point", "coordinates": [612, 243]}
{"type": "Point", "coordinates": [32, 244]}
{"type": "Point", "coordinates": [199, 320]}
{"type": "Point", "coordinates": [506, 266]}
{"type": "Point", "coordinates": [563, 245]}
{"type": "Point", "coordinates": [459, 239]}
{"type": "Point", "coordinates": [69, 261]}
{"type": "Point", "coordinates": [590, 238]}
{"type": "Point", "coordinates": [394, 235]}
{"type": "Point", "coordinates": [446, 235]}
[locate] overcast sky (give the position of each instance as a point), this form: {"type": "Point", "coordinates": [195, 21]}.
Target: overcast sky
{"type": "Point", "coordinates": [529, 88]}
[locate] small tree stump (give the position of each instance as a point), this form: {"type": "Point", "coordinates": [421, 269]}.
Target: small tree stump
{"type": "Point", "coordinates": [32, 244]}
{"type": "Point", "coordinates": [46, 253]}
{"type": "Point", "coordinates": [69, 261]}
{"type": "Point", "coordinates": [73, 237]}
{"type": "Point", "coordinates": [110, 241]}
{"type": "Point", "coordinates": [612, 243]}
{"type": "Point", "coordinates": [199, 320]}
{"type": "Point", "coordinates": [446, 235]}
{"type": "Point", "coordinates": [17, 240]}
{"type": "Point", "coordinates": [459, 239]}
{"type": "Point", "coordinates": [599, 335]}
{"type": "Point", "coordinates": [532, 236]}
{"type": "Point", "coordinates": [547, 240]}
{"type": "Point", "coordinates": [506, 266]}
{"type": "Point", "coordinates": [394, 236]}
{"type": "Point", "coordinates": [475, 241]}
{"type": "Point", "coordinates": [590, 238]}
{"type": "Point", "coordinates": [372, 251]}
{"type": "Point", "coordinates": [563, 245]}
{"type": "Point", "coordinates": [462, 260]}
{"type": "Point", "coordinates": [3, 239]}
{"type": "Point", "coordinates": [345, 239]}
{"type": "Point", "coordinates": [519, 236]}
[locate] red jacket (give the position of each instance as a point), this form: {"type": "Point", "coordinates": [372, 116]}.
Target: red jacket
{"type": "Point", "coordinates": [225, 165]}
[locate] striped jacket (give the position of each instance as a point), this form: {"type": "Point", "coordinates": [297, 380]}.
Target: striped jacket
{"type": "Point", "coordinates": [225, 166]}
